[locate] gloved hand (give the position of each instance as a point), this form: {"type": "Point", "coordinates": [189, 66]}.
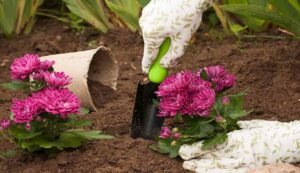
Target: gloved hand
{"type": "Point", "coordinates": [177, 19]}
{"type": "Point", "coordinates": [258, 143]}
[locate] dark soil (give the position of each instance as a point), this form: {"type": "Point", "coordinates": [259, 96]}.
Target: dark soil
{"type": "Point", "coordinates": [269, 69]}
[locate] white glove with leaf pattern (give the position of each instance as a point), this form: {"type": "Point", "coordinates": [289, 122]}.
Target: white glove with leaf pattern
{"type": "Point", "coordinates": [258, 143]}
{"type": "Point", "coordinates": [177, 19]}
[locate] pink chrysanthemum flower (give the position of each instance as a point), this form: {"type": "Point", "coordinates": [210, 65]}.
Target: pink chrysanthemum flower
{"type": "Point", "coordinates": [58, 101]}
{"type": "Point", "coordinates": [220, 77]}
{"type": "Point", "coordinates": [184, 93]}
{"type": "Point", "coordinates": [5, 123]}
{"type": "Point", "coordinates": [38, 75]}
{"type": "Point", "coordinates": [25, 111]}
{"type": "Point", "coordinates": [22, 67]}
{"type": "Point", "coordinates": [215, 72]}
{"type": "Point", "coordinates": [56, 79]}
{"type": "Point", "coordinates": [200, 103]}
{"type": "Point", "coordinates": [165, 133]}
{"type": "Point", "coordinates": [46, 65]}
{"type": "Point", "coordinates": [227, 81]}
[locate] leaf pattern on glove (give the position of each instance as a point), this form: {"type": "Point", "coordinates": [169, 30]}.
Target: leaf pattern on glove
{"type": "Point", "coordinates": [177, 19]}
{"type": "Point", "coordinates": [259, 143]}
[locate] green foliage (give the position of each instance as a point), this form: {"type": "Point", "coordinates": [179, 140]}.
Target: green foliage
{"type": "Point", "coordinates": [239, 23]}
{"type": "Point", "coordinates": [15, 85]}
{"type": "Point", "coordinates": [285, 14]}
{"type": "Point", "coordinates": [51, 133]}
{"type": "Point", "coordinates": [127, 11]}
{"type": "Point", "coordinates": [208, 130]}
{"type": "Point", "coordinates": [7, 154]}
{"type": "Point", "coordinates": [105, 14]}
{"type": "Point", "coordinates": [92, 11]}
{"type": "Point", "coordinates": [250, 22]}
{"type": "Point", "coordinates": [144, 2]}
{"type": "Point", "coordinates": [18, 16]}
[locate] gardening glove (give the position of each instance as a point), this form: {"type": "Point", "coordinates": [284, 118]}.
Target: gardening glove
{"type": "Point", "coordinates": [258, 143]}
{"type": "Point", "coordinates": [177, 19]}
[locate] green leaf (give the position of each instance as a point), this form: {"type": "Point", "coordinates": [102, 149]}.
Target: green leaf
{"type": "Point", "coordinates": [295, 4]}
{"type": "Point", "coordinates": [237, 114]}
{"type": "Point", "coordinates": [11, 116]}
{"type": "Point", "coordinates": [79, 123]}
{"type": "Point", "coordinates": [127, 16]}
{"type": "Point", "coordinates": [154, 147]}
{"type": "Point", "coordinates": [15, 85]}
{"type": "Point", "coordinates": [219, 138]}
{"type": "Point", "coordinates": [29, 146]}
{"type": "Point", "coordinates": [144, 2]}
{"type": "Point", "coordinates": [213, 19]}
{"type": "Point", "coordinates": [8, 16]}
{"type": "Point", "coordinates": [290, 23]}
{"type": "Point", "coordinates": [204, 75]}
{"type": "Point", "coordinates": [71, 140]}
{"type": "Point", "coordinates": [236, 28]}
{"type": "Point", "coordinates": [253, 23]}
{"type": "Point", "coordinates": [164, 146]}
{"type": "Point", "coordinates": [285, 8]}
{"type": "Point", "coordinates": [200, 130]}
{"type": "Point", "coordinates": [91, 11]}
{"type": "Point", "coordinates": [21, 133]}
{"type": "Point", "coordinates": [237, 101]}
{"type": "Point", "coordinates": [90, 135]}
{"type": "Point", "coordinates": [43, 142]}
{"type": "Point", "coordinates": [16, 16]}
{"type": "Point", "coordinates": [8, 153]}
{"type": "Point", "coordinates": [84, 111]}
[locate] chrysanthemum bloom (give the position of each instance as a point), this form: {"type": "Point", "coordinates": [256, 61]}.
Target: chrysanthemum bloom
{"type": "Point", "coordinates": [227, 81]}
{"type": "Point", "coordinates": [58, 101]}
{"type": "Point", "coordinates": [200, 103]}
{"type": "Point", "coordinates": [215, 72]}
{"type": "Point", "coordinates": [56, 79]}
{"type": "Point", "coordinates": [225, 100]}
{"type": "Point", "coordinates": [46, 65]}
{"type": "Point", "coordinates": [38, 75]}
{"type": "Point", "coordinates": [220, 77]}
{"type": "Point", "coordinates": [182, 93]}
{"type": "Point", "coordinates": [165, 133]}
{"type": "Point", "coordinates": [24, 111]}
{"type": "Point", "coordinates": [22, 67]}
{"type": "Point", "coordinates": [5, 123]}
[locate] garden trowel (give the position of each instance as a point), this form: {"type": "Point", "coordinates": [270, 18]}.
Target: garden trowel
{"type": "Point", "coordinates": [145, 123]}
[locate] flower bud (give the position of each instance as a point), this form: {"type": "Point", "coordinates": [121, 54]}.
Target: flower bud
{"type": "Point", "coordinates": [219, 119]}
{"type": "Point", "coordinates": [175, 129]}
{"type": "Point", "coordinates": [5, 123]}
{"type": "Point", "coordinates": [177, 135]}
{"type": "Point", "coordinates": [173, 143]}
{"type": "Point", "coordinates": [28, 127]}
{"type": "Point", "coordinates": [165, 133]}
{"type": "Point", "coordinates": [225, 100]}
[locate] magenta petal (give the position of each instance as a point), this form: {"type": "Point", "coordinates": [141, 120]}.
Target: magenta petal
{"type": "Point", "coordinates": [22, 67]}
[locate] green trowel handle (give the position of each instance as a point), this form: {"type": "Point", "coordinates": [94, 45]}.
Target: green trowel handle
{"type": "Point", "coordinates": [158, 73]}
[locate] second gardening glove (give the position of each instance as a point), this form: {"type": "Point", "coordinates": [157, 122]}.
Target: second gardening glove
{"type": "Point", "coordinates": [177, 19]}
{"type": "Point", "coordinates": [258, 143]}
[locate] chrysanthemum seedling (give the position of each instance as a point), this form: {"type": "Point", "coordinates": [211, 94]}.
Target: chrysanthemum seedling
{"type": "Point", "coordinates": [198, 107]}
{"type": "Point", "coordinates": [47, 118]}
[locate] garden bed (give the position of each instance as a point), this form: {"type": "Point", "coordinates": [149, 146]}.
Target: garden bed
{"type": "Point", "coordinates": [268, 68]}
